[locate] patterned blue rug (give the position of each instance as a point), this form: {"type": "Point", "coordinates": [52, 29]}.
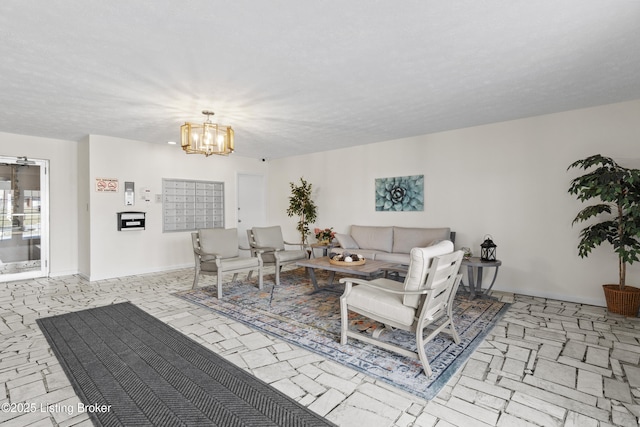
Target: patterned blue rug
{"type": "Point", "coordinates": [312, 321]}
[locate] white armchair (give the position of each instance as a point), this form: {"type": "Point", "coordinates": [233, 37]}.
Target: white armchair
{"type": "Point", "coordinates": [216, 251]}
{"type": "Point", "coordinates": [270, 241]}
{"type": "Point", "coordinates": [425, 297]}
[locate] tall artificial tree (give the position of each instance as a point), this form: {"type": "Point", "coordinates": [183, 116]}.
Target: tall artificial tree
{"type": "Point", "coordinates": [618, 190]}
{"type": "Point", "coordinates": [301, 204]}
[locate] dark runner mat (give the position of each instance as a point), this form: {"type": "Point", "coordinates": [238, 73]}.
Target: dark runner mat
{"type": "Point", "coordinates": [129, 368]}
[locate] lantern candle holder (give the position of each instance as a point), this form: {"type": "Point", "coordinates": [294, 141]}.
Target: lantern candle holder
{"type": "Point", "coordinates": [488, 249]}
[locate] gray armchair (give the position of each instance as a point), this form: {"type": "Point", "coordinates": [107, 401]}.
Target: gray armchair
{"type": "Point", "coordinates": [425, 297]}
{"type": "Point", "coordinates": [270, 241]}
{"type": "Point", "coordinates": [216, 251]}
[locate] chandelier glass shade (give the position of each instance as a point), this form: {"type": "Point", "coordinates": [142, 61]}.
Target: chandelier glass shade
{"type": "Point", "coordinates": [207, 138]}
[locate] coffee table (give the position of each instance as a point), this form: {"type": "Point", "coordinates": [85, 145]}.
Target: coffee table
{"type": "Point", "coordinates": [369, 270]}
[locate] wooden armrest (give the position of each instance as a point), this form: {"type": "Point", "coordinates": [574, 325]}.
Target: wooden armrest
{"type": "Point", "coordinates": [293, 244]}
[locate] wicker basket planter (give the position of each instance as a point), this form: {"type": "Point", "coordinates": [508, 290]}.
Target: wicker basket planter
{"type": "Point", "coordinates": [626, 302]}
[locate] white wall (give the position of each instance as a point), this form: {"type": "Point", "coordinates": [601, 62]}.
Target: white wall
{"type": "Point", "coordinates": [505, 179]}
{"type": "Point", "coordinates": [118, 253]}
{"type": "Point", "coordinates": [62, 188]}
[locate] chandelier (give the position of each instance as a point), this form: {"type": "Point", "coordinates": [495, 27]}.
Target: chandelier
{"type": "Point", "coordinates": [207, 138]}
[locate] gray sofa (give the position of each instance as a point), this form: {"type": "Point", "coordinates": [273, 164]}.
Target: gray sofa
{"type": "Point", "coordinates": [391, 244]}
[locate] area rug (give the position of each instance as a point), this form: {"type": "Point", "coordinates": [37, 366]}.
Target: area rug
{"type": "Point", "coordinates": [129, 368]}
{"type": "Point", "coordinates": [293, 313]}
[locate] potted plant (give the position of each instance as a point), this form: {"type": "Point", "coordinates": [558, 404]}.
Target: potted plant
{"type": "Point", "coordinates": [618, 190]}
{"type": "Point", "coordinates": [324, 236]}
{"type": "Point", "coordinates": [300, 204]}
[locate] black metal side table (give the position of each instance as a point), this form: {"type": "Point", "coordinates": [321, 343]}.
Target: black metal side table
{"type": "Point", "coordinates": [474, 275]}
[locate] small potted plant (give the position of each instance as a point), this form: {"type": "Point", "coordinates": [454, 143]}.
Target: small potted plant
{"type": "Point", "coordinates": [618, 190]}
{"type": "Point", "coordinates": [324, 235]}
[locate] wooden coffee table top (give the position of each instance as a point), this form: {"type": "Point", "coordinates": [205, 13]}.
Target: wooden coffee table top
{"type": "Point", "coordinates": [369, 268]}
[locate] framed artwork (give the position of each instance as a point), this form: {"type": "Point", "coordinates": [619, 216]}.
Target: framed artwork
{"type": "Point", "coordinates": [401, 193]}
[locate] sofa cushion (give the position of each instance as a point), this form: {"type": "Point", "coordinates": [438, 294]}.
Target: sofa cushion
{"type": "Point", "coordinates": [370, 237]}
{"type": "Point", "coordinates": [346, 241]}
{"type": "Point", "coordinates": [405, 238]}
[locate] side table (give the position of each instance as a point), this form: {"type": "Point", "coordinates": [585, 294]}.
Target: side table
{"type": "Point", "coordinates": [474, 275]}
{"type": "Point", "coordinates": [325, 248]}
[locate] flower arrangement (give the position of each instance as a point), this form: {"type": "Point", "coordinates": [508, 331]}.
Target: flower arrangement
{"type": "Point", "coordinates": [326, 234]}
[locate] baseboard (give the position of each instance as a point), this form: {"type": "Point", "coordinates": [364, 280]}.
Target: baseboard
{"type": "Point", "coordinates": [599, 302]}
{"type": "Point", "coordinates": [94, 278]}
{"type": "Point", "coordinates": [65, 273]}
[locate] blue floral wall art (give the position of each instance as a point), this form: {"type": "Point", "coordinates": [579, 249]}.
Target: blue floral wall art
{"type": "Point", "coordinates": [401, 193]}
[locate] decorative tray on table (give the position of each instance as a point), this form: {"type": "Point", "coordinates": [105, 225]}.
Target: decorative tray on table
{"type": "Point", "coordinates": [346, 259]}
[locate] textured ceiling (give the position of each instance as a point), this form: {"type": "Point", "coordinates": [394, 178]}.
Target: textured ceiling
{"type": "Point", "coordinates": [296, 77]}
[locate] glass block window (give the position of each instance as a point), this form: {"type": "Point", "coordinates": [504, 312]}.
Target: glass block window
{"type": "Point", "coordinates": [189, 205]}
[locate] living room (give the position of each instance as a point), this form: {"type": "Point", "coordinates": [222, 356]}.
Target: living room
{"type": "Point", "coordinates": [507, 179]}
{"type": "Point", "coordinates": [527, 146]}
{"type": "Point", "coordinates": [490, 103]}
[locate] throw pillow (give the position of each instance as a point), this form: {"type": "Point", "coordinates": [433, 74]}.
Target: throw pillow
{"type": "Point", "coordinates": [346, 241]}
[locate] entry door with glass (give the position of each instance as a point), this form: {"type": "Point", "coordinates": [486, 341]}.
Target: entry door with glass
{"type": "Point", "coordinates": [23, 218]}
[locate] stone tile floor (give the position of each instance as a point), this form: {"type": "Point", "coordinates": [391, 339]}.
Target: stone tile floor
{"type": "Point", "coordinates": [547, 363]}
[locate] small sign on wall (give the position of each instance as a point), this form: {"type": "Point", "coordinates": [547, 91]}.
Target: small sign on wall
{"type": "Point", "coordinates": [106, 185]}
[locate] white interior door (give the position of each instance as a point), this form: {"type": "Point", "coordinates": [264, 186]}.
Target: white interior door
{"type": "Point", "coordinates": [24, 218]}
{"type": "Point", "coordinates": [252, 210]}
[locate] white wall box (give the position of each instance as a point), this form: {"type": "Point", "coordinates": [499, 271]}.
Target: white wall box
{"type": "Point", "coordinates": [131, 221]}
